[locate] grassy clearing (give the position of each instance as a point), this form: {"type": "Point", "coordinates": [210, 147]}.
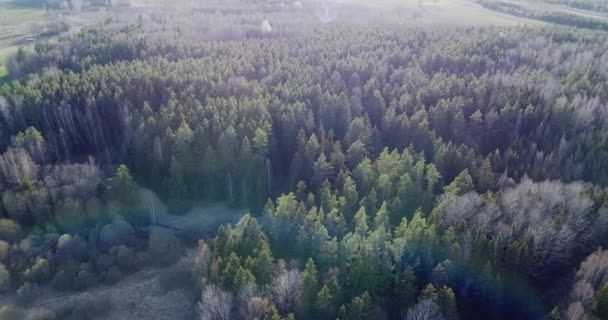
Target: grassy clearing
{"type": "Point", "coordinates": [11, 14]}
{"type": "Point", "coordinates": [441, 12]}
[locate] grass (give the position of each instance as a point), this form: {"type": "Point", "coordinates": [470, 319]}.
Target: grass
{"type": "Point", "coordinates": [11, 14]}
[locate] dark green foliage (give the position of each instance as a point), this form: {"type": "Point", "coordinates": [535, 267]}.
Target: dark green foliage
{"type": "Point", "coordinates": [83, 308]}
{"type": "Point", "coordinates": [163, 246]}
{"type": "Point", "coordinates": [602, 302]}
{"type": "Point", "coordinates": [359, 308]}
{"type": "Point", "coordinates": [5, 278]}
{"type": "Point", "coordinates": [309, 289]}
{"type": "Point", "coordinates": [27, 293]}
{"type": "Point", "coordinates": [11, 313]}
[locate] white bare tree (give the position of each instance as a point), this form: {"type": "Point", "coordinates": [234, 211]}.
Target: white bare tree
{"type": "Point", "coordinates": [594, 269]}
{"type": "Point", "coordinates": [592, 273]}
{"type": "Point", "coordinates": [583, 292]}
{"type": "Point", "coordinates": [246, 293]}
{"type": "Point", "coordinates": [575, 312]}
{"type": "Point", "coordinates": [285, 288]}
{"type": "Point", "coordinates": [426, 309]}
{"type": "Point", "coordinates": [215, 304]}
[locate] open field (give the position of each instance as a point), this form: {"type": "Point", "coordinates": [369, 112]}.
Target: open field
{"type": "Point", "coordinates": [441, 12]}
{"type": "Point", "coordinates": [558, 14]}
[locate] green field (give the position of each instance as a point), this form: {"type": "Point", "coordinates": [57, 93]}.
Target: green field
{"type": "Point", "coordinates": [11, 13]}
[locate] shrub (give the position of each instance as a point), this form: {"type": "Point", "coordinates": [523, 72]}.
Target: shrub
{"type": "Point", "coordinates": [126, 258]}
{"type": "Point", "coordinates": [84, 280]}
{"type": "Point", "coordinates": [27, 293]}
{"type": "Point", "coordinates": [5, 278]}
{"type": "Point", "coordinates": [38, 272]}
{"type": "Point", "coordinates": [164, 247]}
{"type": "Point", "coordinates": [4, 248]}
{"type": "Point", "coordinates": [84, 308]}
{"type": "Point", "coordinates": [64, 278]}
{"type": "Point", "coordinates": [117, 233]}
{"type": "Point", "coordinates": [9, 230]}
{"type": "Point", "coordinates": [73, 247]}
{"type": "Point", "coordinates": [11, 313]}
{"type": "Point", "coordinates": [43, 315]}
{"type": "Point", "coordinates": [177, 276]}
{"type": "Point", "coordinates": [602, 301]}
{"type": "Point", "coordinates": [104, 262]}
{"type": "Point", "coordinates": [113, 274]}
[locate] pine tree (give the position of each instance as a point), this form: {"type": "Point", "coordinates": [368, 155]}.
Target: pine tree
{"type": "Point", "coordinates": [462, 184]}
{"type": "Point", "coordinates": [361, 226]}
{"type": "Point", "coordinates": [309, 288]}
{"type": "Point", "coordinates": [324, 303]}
{"type": "Point", "coordinates": [446, 299]}
{"type": "Point", "coordinates": [263, 264]}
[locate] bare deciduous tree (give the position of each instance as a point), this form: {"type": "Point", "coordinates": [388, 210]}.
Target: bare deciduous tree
{"type": "Point", "coordinates": [285, 288]}
{"type": "Point", "coordinates": [426, 309]}
{"type": "Point", "coordinates": [254, 308]}
{"type": "Point", "coordinates": [575, 312]}
{"type": "Point", "coordinates": [594, 269]}
{"type": "Point", "coordinates": [246, 293]}
{"type": "Point", "coordinates": [215, 304]}
{"type": "Point", "coordinates": [583, 293]}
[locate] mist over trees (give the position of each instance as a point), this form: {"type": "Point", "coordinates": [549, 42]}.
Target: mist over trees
{"type": "Point", "coordinates": [389, 172]}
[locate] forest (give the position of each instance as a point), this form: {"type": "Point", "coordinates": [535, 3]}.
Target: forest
{"type": "Point", "coordinates": [389, 172]}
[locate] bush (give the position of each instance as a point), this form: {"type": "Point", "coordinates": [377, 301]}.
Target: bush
{"type": "Point", "coordinates": [117, 233]}
{"type": "Point", "coordinates": [64, 278]}
{"type": "Point", "coordinates": [164, 247]}
{"type": "Point", "coordinates": [113, 274]}
{"type": "Point", "coordinates": [178, 276]}
{"type": "Point", "coordinates": [9, 230]}
{"type": "Point", "coordinates": [73, 247]}
{"type": "Point", "coordinates": [27, 293]}
{"type": "Point", "coordinates": [84, 280]}
{"type": "Point", "coordinates": [602, 301]}
{"type": "Point", "coordinates": [39, 272]}
{"type": "Point", "coordinates": [70, 216]}
{"type": "Point", "coordinates": [126, 258]}
{"type": "Point", "coordinates": [5, 278]}
{"type": "Point", "coordinates": [84, 308]}
{"type": "Point", "coordinates": [4, 248]}
{"type": "Point", "coordinates": [104, 262]}
{"type": "Point", "coordinates": [43, 315]}
{"type": "Point", "coordinates": [11, 313]}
